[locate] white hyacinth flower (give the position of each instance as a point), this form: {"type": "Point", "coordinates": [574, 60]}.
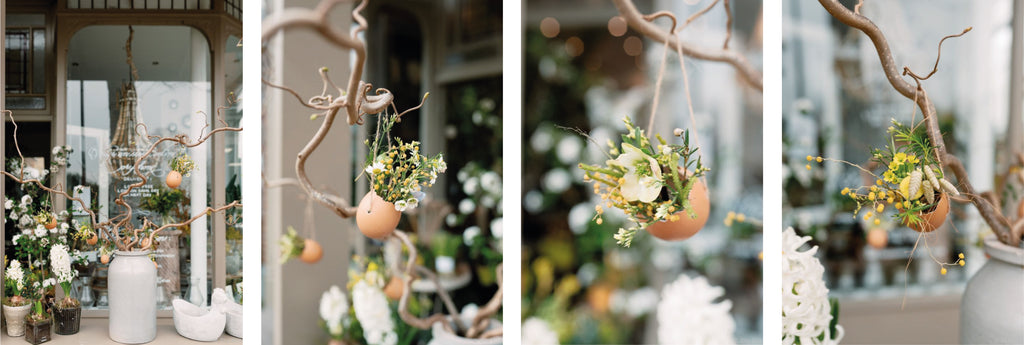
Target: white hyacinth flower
{"type": "Point", "coordinates": [688, 313]}
{"type": "Point", "coordinates": [806, 312]}
{"type": "Point", "coordinates": [333, 309]}
{"type": "Point", "coordinates": [374, 314]}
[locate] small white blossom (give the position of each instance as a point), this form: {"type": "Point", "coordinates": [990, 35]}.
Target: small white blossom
{"type": "Point", "coordinates": [412, 203]}
{"type": "Point", "coordinates": [8, 204]}
{"type": "Point", "coordinates": [470, 234]}
{"type": "Point", "coordinates": [40, 230]}
{"type": "Point", "coordinates": [376, 168]}
{"type": "Point", "coordinates": [538, 332]}
{"type": "Point", "coordinates": [400, 205]}
{"type": "Point", "coordinates": [15, 239]}
{"type": "Point", "coordinates": [466, 206]}
{"type": "Point", "coordinates": [26, 200]}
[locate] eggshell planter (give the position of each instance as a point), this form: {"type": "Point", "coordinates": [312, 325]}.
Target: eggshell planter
{"type": "Point", "coordinates": [198, 323]}
{"type": "Point", "coordinates": [443, 337]}
{"type": "Point", "coordinates": [932, 219]}
{"type": "Point", "coordinates": [685, 227]}
{"type": "Point", "coordinates": [131, 289]}
{"type": "Point", "coordinates": [377, 218]}
{"type": "Point", "coordinates": [991, 310]}
{"type": "Point", "coordinates": [15, 317]}
{"type": "Point", "coordinates": [173, 179]}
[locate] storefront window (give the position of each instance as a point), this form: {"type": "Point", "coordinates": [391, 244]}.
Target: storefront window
{"type": "Point", "coordinates": [233, 164]}
{"type": "Point", "coordinates": [105, 129]}
{"type": "Point", "coordinates": [25, 46]}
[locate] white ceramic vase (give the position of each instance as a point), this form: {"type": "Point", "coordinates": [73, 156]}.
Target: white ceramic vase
{"type": "Point", "coordinates": [15, 317]}
{"type": "Point", "coordinates": [443, 337]}
{"type": "Point", "coordinates": [131, 285]}
{"type": "Point", "coordinates": [992, 310]}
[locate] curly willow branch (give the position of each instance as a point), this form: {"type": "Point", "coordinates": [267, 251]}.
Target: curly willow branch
{"type": "Point", "coordinates": [110, 230]}
{"type": "Point", "coordinates": [992, 216]}
{"type": "Point", "coordinates": [357, 102]}
{"type": "Point", "coordinates": [642, 23]}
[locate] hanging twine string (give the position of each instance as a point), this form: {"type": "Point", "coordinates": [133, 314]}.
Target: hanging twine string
{"type": "Point", "coordinates": [657, 89]}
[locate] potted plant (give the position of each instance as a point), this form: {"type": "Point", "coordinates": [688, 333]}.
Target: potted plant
{"type": "Point", "coordinates": [912, 184]}
{"type": "Point", "coordinates": [16, 306]}
{"type": "Point", "coordinates": [306, 249]}
{"type": "Point", "coordinates": [656, 184]}
{"type": "Point", "coordinates": [397, 173]}
{"type": "Point", "coordinates": [37, 322]}
{"type": "Point", "coordinates": [182, 165]}
{"type": "Point", "coordinates": [67, 312]}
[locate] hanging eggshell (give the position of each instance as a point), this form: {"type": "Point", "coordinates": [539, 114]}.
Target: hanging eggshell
{"type": "Point", "coordinates": [685, 226]}
{"type": "Point", "coordinates": [394, 288]}
{"type": "Point", "coordinates": [934, 218]}
{"type": "Point", "coordinates": [311, 252]}
{"type": "Point", "coordinates": [878, 238]}
{"type": "Point", "coordinates": [376, 218]}
{"type": "Point", "coordinates": [173, 179]}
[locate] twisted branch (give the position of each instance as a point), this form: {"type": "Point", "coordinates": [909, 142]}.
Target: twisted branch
{"type": "Point", "coordinates": [992, 216]}
{"type": "Point", "coordinates": [643, 24]}
{"type": "Point", "coordinates": [357, 102]}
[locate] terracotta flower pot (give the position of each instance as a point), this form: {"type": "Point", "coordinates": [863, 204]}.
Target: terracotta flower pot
{"type": "Point", "coordinates": [934, 218]}
{"type": "Point", "coordinates": [990, 312]}
{"type": "Point", "coordinates": [173, 179]}
{"type": "Point", "coordinates": [15, 317]}
{"type": "Point", "coordinates": [377, 218]}
{"type": "Point", "coordinates": [685, 227]}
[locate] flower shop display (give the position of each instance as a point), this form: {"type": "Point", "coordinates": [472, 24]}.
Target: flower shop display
{"type": "Point", "coordinates": [67, 312]}
{"type": "Point", "coordinates": [132, 275]}
{"type": "Point", "coordinates": [397, 172]}
{"type": "Point", "coordinates": [16, 306]}
{"type": "Point", "coordinates": [657, 184]}
{"type": "Point", "coordinates": [808, 316]}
